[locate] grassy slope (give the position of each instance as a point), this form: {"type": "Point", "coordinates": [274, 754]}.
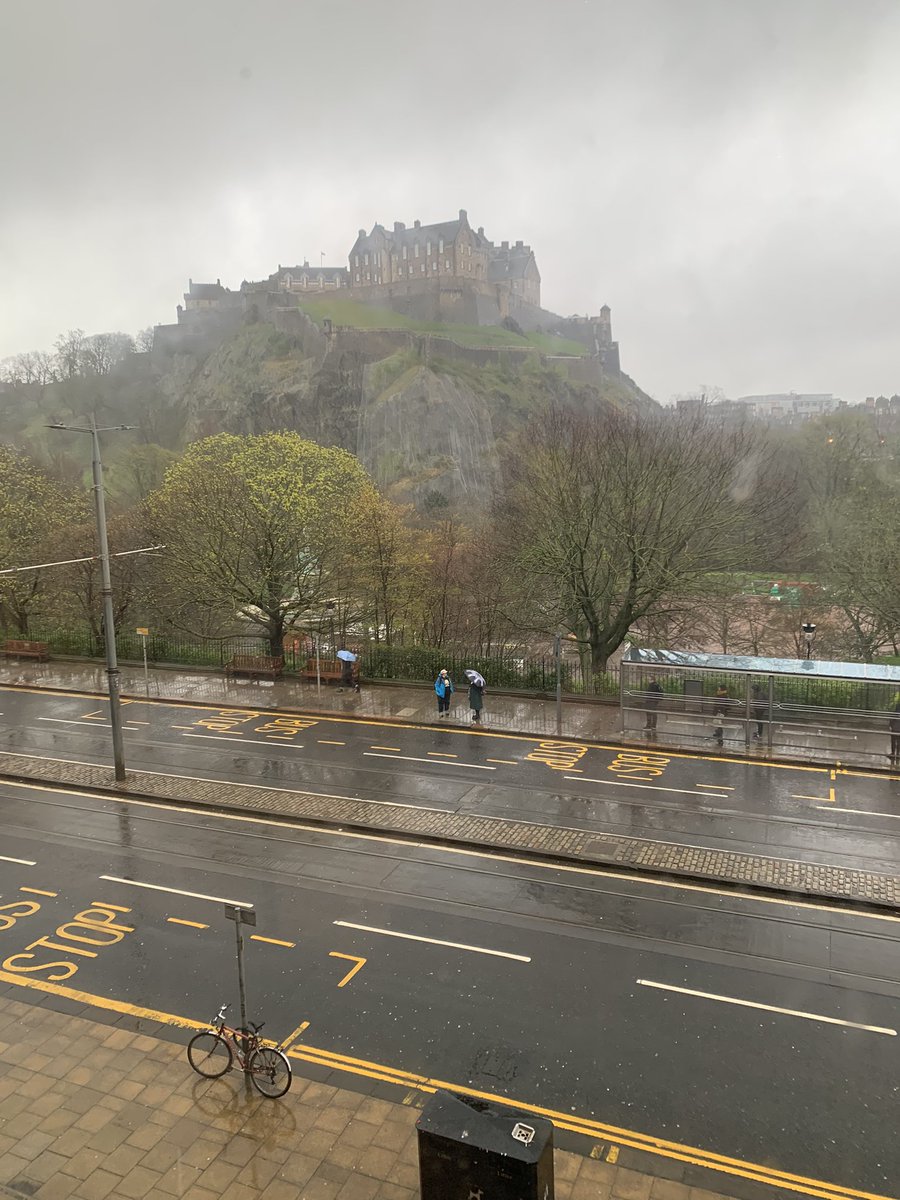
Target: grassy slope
{"type": "Point", "coordinates": [344, 311]}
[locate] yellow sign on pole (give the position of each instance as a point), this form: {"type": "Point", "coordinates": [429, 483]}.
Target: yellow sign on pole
{"type": "Point", "coordinates": [143, 632]}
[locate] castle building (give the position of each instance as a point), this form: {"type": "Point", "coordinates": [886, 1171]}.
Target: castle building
{"type": "Point", "coordinates": [444, 272]}
{"type": "Point", "coordinates": [385, 264]}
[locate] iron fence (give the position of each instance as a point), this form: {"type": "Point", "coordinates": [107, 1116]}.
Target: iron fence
{"type": "Point", "coordinates": [402, 664]}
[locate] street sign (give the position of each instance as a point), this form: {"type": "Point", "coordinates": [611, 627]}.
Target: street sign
{"type": "Point", "coordinates": [143, 632]}
{"type": "Point", "coordinates": [245, 916]}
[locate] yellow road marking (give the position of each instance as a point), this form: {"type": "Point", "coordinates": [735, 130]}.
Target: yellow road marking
{"type": "Point", "coordinates": [640, 1141]}
{"type": "Point", "coordinates": [38, 891]}
{"type": "Point", "coordinates": [510, 762]}
{"type": "Point", "coordinates": [597, 870]}
{"type": "Point", "coordinates": [326, 742]}
{"type": "Point", "coordinates": [360, 963]}
{"type": "Point", "coordinates": [441, 754]}
{"type": "Point", "coordinates": [397, 748]}
{"type": "Point", "coordinates": [114, 907]}
{"type": "Point", "coordinates": [868, 774]}
{"type": "Point", "coordinates": [345, 719]}
{"type": "Point", "coordinates": [771, 1176]}
{"type": "Point", "coordinates": [191, 924]}
{"type": "Point", "coordinates": [257, 937]}
{"type": "Point", "coordinates": [291, 1038]}
{"type": "Point", "coordinates": [613, 1154]}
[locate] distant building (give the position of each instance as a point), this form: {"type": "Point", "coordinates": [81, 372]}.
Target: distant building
{"type": "Point", "coordinates": [310, 279]}
{"type": "Point", "coordinates": [790, 406]}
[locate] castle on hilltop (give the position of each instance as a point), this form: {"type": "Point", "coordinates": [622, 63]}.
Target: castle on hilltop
{"type": "Point", "coordinates": [445, 272]}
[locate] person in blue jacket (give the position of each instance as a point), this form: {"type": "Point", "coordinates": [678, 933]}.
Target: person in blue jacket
{"type": "Point", "coordinates": [443, 686]}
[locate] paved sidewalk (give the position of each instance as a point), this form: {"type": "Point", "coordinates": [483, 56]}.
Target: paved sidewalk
{"type": "Point", "coordinates": [557, 843]}
{"type": "Point", "coordinates": [417, 705]}
{"type": "Point", "coordinates": [99, 1112]}
{"type": "Point", "coordinates": [507, 712]}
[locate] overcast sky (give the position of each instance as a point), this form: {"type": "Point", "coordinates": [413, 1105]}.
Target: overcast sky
{"type": "Point", "coordinates": [725, 174]}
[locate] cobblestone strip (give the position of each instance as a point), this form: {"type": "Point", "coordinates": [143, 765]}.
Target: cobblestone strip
{"type": "Point", "coordinates": [777, 874]}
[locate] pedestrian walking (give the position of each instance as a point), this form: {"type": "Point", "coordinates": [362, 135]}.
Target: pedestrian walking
{"type": "Point", "coordinates": [444, 689]}
{"type": "Point", "coordinates": [759, 706]}
{"type": "Point", "coordinates": [654, 699]}
{"type": "Point", "coordinates": [894, 724]}
{"type": "Point", "coordinates": [721, 703]}
{"type": "Point", "coordinates": [476, 700]}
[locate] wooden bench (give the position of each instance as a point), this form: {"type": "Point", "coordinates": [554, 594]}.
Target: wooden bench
{"type": "Point", "coordinates": [331, 670]}
{"type": "Point", "coordinates": [22, 649]}
{"type": "Point", "coordinates": [254, 665]}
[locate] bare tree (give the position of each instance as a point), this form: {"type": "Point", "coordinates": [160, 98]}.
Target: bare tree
{"type": "Point", "coordinates": [607, 514]}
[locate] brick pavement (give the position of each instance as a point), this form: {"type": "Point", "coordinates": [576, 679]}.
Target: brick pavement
{"type": "Point", "coordinates": [695, 863]}
{"type": "Point", "coordinates": [90, 1111]}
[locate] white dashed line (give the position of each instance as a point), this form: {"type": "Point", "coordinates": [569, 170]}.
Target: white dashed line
{"type": "Point", "coordinates": [414, 937]}
{"type": "Point", "coordinates": [786, 1012]}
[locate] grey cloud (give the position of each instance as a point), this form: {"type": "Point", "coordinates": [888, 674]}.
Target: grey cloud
{"type": "Point", "coordinates": [725, 175]}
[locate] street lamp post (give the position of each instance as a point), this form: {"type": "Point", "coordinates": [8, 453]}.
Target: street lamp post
{"type": "Point", "coordinates": [109, 627]}
{"type": "Point", "coordinates": [808, 630]}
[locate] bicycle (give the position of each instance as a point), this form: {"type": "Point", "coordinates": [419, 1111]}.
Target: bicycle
{"type": "Point", "coordinates": [213, 1052]}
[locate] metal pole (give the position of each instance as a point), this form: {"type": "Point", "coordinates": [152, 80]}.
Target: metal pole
{"type": "Point", "coordinates": [771, 712]}
{"type": "Point", "coordinates": [318, 670]}
{"type": "Point", "coordinates": [146, 669]}
{"type": "Point", "coordinates": [109, 627]}
{"type": "Point", "coordinates": [240, 964]}
{"type": "Point", "coordinates": [557, 647]}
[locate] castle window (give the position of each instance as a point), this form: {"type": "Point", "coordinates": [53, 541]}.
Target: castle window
{"type": "Point", "coordinates": [357, 276]}
{"type": "Point", "coordinates": [423, 268]}
{"type": "Point", "coordinates": [367, 260]}
{"type": "Point", "coordinates": [368, 276]}
{"type": "Point", "coordinates": [428, 249]}
{"type": "Point", "coordinates": [404, 253]}
{"type": "Point", "coordinates": [434, 266]}
{"type": "Point", "coordinates": [446, 264]}
{"type": "Point", "coordinates": [441, 246]}
{"type": "Point", "coordinates": [417, 249]}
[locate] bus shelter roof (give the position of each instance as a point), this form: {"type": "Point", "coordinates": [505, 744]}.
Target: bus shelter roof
{"type": "Point", "coordinates": [763, 665]}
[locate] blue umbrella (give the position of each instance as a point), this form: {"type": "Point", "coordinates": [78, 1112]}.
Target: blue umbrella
{"type": "Point", "coordinates": [346, 655]}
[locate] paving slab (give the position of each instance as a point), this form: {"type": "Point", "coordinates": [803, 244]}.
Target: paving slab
{"type": "Point", "coordinates": [237, 1145]}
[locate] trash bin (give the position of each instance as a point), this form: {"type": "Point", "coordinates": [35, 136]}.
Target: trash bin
{"type": "Point", "coordinates": [472, 1150]}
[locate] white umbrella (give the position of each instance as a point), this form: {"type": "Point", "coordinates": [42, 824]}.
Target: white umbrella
{"type": "Point", "coordinates": [475, 677]}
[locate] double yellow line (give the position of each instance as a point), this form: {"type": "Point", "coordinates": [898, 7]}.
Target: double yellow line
{"type": "Point", "coordinates": [596, 1130]}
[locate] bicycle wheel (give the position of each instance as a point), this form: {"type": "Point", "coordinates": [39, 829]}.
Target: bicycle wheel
{"type": "Point", "coordinates": [209, 1055]}
{"type": "Point", "coordinates": [270, 1072]}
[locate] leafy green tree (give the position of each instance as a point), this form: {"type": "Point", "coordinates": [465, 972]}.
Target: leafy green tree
{"type": "Point", "coordinates": [35, 510]}
{"type": "Point", "coordinates": [254, 528]}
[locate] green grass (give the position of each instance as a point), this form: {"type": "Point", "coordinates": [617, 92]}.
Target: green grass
{"type": "Point", "coordinates": [344, 311]}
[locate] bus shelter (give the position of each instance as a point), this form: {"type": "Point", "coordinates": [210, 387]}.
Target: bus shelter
{"type": "Point", "coordinates": [788, 706]}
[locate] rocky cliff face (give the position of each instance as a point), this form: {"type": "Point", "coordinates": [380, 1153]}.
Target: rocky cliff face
{"type": "Point", "coordinates": [426, 427]}
{"type": "Point", "coordinates": [427, 438]}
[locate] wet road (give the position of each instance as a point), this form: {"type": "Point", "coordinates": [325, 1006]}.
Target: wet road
{"type": "Point", "coordinates": [748, 1027]}
{"type": "Point", "coordinates": [844, 817]}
